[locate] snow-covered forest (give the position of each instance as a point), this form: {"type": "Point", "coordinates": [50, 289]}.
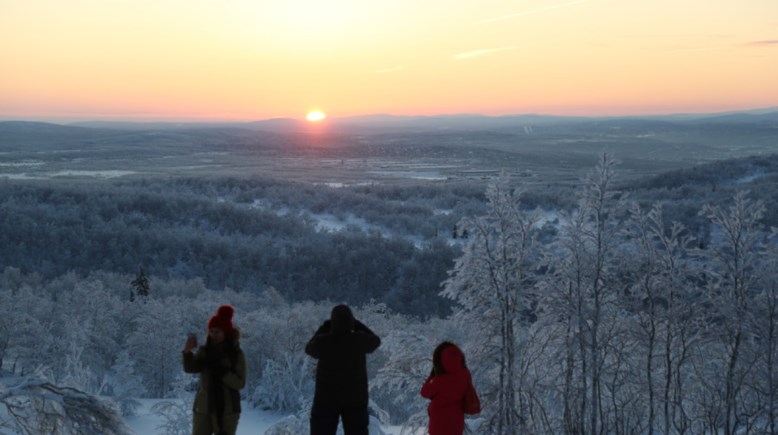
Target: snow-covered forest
{"type": "Point", "coordinates": [608, 317]}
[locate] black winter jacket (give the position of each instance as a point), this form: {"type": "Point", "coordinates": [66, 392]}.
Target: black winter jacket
{"type": "Point", "coordinates": [341, 373]}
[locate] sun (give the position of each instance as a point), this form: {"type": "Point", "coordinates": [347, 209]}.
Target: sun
{"type": "Point", "coordinates": [315, 116]}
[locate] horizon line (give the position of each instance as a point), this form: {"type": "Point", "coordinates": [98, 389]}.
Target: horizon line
{"type": "Point", "coordinates": [203, 120]}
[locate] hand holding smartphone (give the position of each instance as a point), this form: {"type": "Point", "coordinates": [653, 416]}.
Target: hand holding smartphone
{"type": "Point", "coordinates": [191, 342]}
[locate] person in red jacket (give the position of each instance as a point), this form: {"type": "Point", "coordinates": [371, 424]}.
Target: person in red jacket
{"type": "Point", "coordinates": [446, 388]}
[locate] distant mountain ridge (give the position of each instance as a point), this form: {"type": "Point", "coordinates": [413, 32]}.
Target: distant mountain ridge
{"type": "Point", "coordinates": [383, 123]}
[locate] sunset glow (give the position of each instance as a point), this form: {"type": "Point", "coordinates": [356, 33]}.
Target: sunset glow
{"type": "Point", "coordinates": [315, 116]}
{"type": "Point", "coordinates": [247, 59]}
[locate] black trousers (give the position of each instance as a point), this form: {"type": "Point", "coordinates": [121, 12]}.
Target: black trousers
{"type": "Point", "coordinates": [324, 420]}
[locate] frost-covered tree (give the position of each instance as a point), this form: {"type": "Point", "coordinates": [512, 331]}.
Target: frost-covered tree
{"type": "Point", "coordinates": [581, 291]}
{"type": "Point", "coordinates": [275, 332]}
{"type": "Point", "coordinates": [766, 330]}
{"type": "Point", "coordinates": [176, 417]}
{"type": "Point", "coordinates": [660, 299]}
{"type": "Point", "coordinates": [140, 286]}
{"type": "Point", "coordinates": [176, 414]}
{"type": "Point", "coordinates": [286, 385]}
{"type": "Point", "coordinates": [409, 360]}
{"type": "Point", "coordinates": [33, 405]}
{"type": "Point", "coordinates": [155, 343]}
{"type": "Point", "coordinates": [126, 384]}
{"type": "Point", "coordinates": [31, 342]}
{"type": "Point", "coordinates": [7, 325]}
{"type": "Point", "coordinates": [493, 282]}
{"type": "Point", "coordinates": [733, 259]}
{"type": "Point", "coordinates": [88, 334]}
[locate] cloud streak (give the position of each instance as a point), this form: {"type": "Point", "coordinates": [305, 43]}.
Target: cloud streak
{"type": "Point", "coordinates": [481, 52]}
{"type": "Point", "coordinates": [682, 50]}
{"type": "Point", "coordinates": [762, 43]}
{"type": "Point", "coordinates": [532, 11]}
{"type": "Point", "coordinates": [765, 43]}
{"type": "Point", "coordinates": [389, 70]}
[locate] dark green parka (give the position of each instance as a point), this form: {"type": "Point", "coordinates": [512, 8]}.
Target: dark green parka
{"type": "Point", "coordinates": [223, 364]}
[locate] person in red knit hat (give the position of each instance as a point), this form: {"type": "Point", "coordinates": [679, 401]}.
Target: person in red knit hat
{"type": "Point", "coordinates": [222, 368]}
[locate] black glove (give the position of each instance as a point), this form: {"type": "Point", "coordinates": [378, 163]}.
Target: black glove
{"type": "Point", "coordinates": [359, 326]}
{"type": "Point", "coordinates": [325, 328]}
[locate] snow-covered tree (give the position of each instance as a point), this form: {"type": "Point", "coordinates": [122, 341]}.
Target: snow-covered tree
{"type": "Point", "coordinates": [581, 291]}
{"type": "Point", "coordinates": [126, 384]}
{"type": "Point", "coordinates": [660, 300]}
{"type": "Point", "coordinates": [7, 325]}
{"type": "Point", "coordinates": [88, 334]}
{"type": "Point", "coordinates": [155, 344]}
{"type": "Point", "coordinates": [140, 286]}
{"type": "Point", "coordinates": [408, 364]}
{"type": "Point", "coordinates": [286, 385]}
{"type": "Point", "coordinates": [272, 333]}
{"type": "Point", "coordinates": [176, 417]}
{"type": "Point", "coordinates": [766, 330]}
{"type": "Point", "coordinates": [493, 282]}
{"type": "Point", "coordinates": [733, 259]}
{"type": "Point", "coordinates": [31, 341]}
{"type": "Point", "coordinates": [33, 405]}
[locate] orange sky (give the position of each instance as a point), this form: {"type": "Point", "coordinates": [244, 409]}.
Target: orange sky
{"type": "Point", "coordinates": [251, 59]}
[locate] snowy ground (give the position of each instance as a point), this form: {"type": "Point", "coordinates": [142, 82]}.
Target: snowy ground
{"type": "Point", "coordinates": [252, 421]}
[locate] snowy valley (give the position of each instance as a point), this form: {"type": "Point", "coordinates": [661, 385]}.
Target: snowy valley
{"type": "Point", "coordinates": [608, 276]}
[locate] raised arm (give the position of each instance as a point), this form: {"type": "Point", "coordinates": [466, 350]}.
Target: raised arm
{"type": "Point", "coordinates": [369, 340]}
{"type": "Point", "coordinates": [430, 388]}
{"type": "Point", "coordinates": [192, 362]}
{"type": "Point", "coordinates": [313, 348]}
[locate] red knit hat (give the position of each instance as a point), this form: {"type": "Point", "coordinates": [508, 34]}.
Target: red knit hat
{"type": "Point", "coordinates": [222, 319]}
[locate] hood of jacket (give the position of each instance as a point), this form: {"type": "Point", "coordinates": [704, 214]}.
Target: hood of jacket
{"type": "Point", "coordinates": [451, 359]}
{"type": "Point", "coordinates": [341, 320]}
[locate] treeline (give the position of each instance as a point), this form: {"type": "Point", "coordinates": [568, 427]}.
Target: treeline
{"type": "Point", "coordinates": [212, 230]}
{"type": "Point", "coordinates": [683, 192]}
{"type": "Point", "coordinates": [254, 233]}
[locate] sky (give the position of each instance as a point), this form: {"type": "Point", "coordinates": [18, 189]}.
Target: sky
{"type": "Point", "coordinates": [69, 60]}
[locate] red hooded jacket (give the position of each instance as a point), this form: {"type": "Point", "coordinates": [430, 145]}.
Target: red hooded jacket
{"type": "Point", "coordinates": [447, 391]}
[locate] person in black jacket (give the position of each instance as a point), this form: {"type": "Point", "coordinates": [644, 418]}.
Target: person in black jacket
{"type": "Point", "coordinates": [341, 345]}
